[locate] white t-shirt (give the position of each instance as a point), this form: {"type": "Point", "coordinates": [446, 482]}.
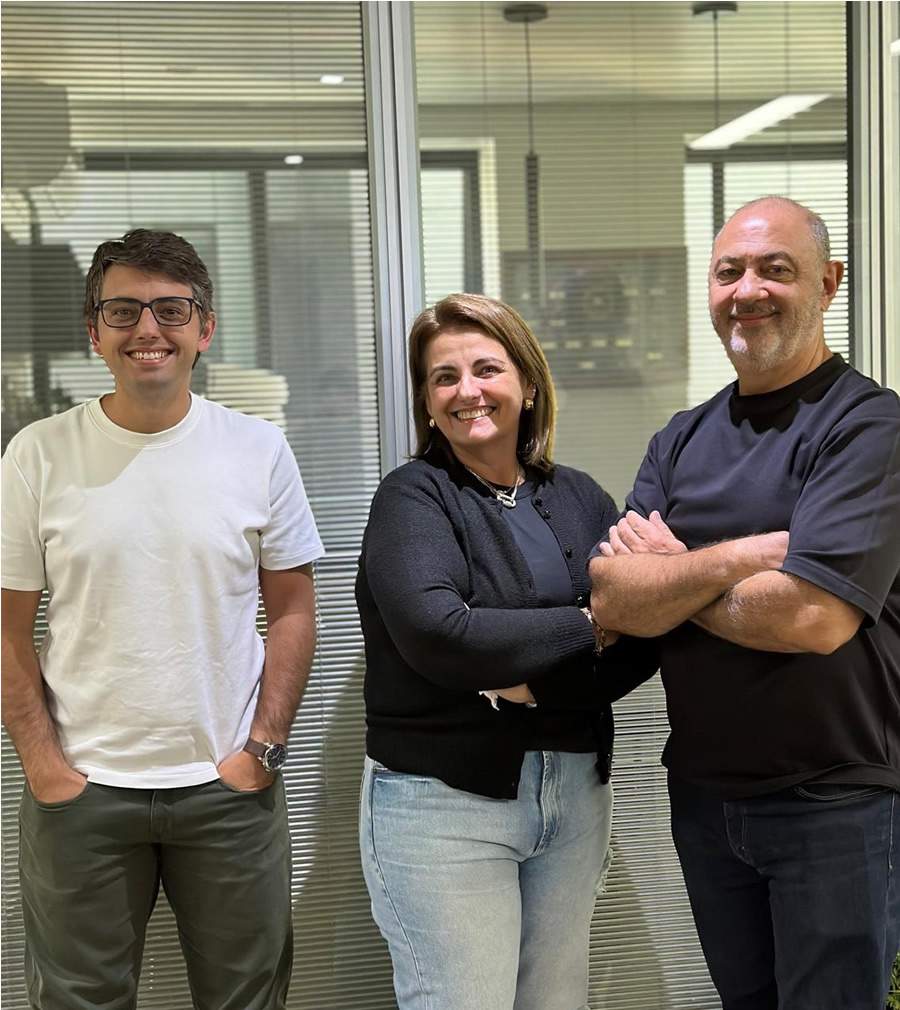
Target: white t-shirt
{"type": "Point", "coordinates": [148, 546]}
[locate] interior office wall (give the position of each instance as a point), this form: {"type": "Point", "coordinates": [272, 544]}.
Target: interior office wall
{"type": "Point", "coordinates": [621, 160]}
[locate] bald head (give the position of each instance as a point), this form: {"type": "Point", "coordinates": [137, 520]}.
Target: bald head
{"type": "Point", "coordinates": [818, 230]}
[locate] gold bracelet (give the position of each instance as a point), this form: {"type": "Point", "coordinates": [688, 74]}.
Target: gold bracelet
{"type": "Point", "coordinates": [599, 639]}
{"type": "Point", "coordinates": [599, 633]}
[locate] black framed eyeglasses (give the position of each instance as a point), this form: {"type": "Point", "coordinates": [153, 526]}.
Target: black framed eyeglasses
{"type": "Point", "coordinates": [170, 311]}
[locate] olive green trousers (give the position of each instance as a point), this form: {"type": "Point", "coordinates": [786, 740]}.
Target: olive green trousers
{"type": "Point", "coordinates": [90, 871]}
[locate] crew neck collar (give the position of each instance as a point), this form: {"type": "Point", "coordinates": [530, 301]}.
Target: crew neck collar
{"type": "Point", "coordinates": [140, 439]}
{"type": "Point", "coordinates": [769, 405]}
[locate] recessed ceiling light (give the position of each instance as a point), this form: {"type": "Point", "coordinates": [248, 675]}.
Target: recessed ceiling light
{"type": "Point", "coordinates": [293, 159]}
{"type": "Point", "coordinates": [331, 79]}
{"type": "Point", "coordinates": [895, 47]}
{"type": "Point", "coordinates": [755, 121]}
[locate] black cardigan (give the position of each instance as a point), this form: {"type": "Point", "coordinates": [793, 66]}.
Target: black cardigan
{"type": "Point", "coordinates": [448, 609]}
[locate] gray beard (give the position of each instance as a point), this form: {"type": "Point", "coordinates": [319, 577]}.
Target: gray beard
{"type": "Point", "coordinates": [779, 346]}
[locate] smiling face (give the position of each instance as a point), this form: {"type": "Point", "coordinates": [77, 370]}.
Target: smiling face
{"type": "Point", "coordinates": [475, 393]}
{"type": "Point", "coordinates": [768, 290]}
{"type": "Point", "coordinates": [148, 360]}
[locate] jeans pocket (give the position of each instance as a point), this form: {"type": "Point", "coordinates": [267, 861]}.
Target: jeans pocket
{"type": "Point", "coordinates": [62, 804]}
{"type": "Point", "coordinates": [836, 792]}
{"type": "Point", "coordinates": [381, 771]}
{"type": "Point", "coordinates": [246, 792]}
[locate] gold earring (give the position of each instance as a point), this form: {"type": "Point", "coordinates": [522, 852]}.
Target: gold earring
{"type": "Point", "coordinates": [528, 403]}
{"type": "Point", "coordinates": [430, 422]}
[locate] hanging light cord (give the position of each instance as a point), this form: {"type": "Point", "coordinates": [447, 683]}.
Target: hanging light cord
{"type": "Point", "coordinates": [530, 93]}
{"type": "Point", "coordinates": [715, 15]}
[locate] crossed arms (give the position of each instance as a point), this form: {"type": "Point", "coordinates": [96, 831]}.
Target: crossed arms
{"type": "Point", "coordinates": [646, 582]}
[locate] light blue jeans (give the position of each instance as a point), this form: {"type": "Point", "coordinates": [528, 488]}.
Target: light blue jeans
{"type": "Point", "coordinates": [486, 904]}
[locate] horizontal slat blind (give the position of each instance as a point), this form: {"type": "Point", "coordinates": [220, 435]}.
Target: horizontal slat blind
{"type": "Point", "coordinates": [626, 215]}
{"type": "Point", "coordinates": [181, 116]}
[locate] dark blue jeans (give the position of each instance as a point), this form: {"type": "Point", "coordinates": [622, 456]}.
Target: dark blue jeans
{"type": "Point", "coordinates": [795, 895]}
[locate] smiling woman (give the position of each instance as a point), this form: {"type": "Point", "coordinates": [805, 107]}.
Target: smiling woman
{"type": "Point", "coordinates": [472, 587]}
{"type": "Point", "coordinates": [475, 396]}
{"type": "Point", "coordinates": [470, 352]}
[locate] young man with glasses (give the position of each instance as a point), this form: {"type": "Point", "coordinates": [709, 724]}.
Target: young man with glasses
{"type": "Point", "coordinates": [153, 723]}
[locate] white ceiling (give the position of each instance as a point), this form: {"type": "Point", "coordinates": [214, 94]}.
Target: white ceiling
{"type": "Point", "coordinates": [469, 52]}
{"type": "Point", "coordinates": [466, 52]}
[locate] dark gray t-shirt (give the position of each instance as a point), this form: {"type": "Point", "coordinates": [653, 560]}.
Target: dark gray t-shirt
{"type": "Point", "coordinates": [821, 459]}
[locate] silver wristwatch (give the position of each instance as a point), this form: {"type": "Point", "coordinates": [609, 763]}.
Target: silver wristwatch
{"type": "Point", "coordinates": [272, 756]}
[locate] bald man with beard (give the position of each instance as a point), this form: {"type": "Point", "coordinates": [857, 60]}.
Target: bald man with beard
{"type": "Point", "coordinates": [761, 544]}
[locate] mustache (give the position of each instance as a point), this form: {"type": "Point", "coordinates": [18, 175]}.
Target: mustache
{"type": "Point", "coordinates": [755, 310]}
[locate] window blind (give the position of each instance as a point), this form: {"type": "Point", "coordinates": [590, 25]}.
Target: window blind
{"type": "Point", "coordinates": [626, 212]}
{"type": "Point", "coordinates": [212, 120]}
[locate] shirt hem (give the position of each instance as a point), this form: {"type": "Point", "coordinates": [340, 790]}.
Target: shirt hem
{"type": "Point", "coordinates": [22, 585]}
{"type": "Point", "coordinates": [149, 780]}
{"type": "Point", "coordinates": [296, 562]}
{"type": "Point", "coordinates": [826, 579]}
{"type": "Point", "coordinates": [850, 773]}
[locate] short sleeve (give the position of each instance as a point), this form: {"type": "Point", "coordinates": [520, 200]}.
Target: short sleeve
{"type": "Point", "coordinates": [845, 527]}
{"type": "Point", "coordinates": [23, 552]}
{"type": "Point", "coordinates": [646, 495]}
{"type": "Point", "coordinates": [290, 537]}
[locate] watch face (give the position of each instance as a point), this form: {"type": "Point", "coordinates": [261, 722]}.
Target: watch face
{"type": "Point", "coordinates": [275, 757]}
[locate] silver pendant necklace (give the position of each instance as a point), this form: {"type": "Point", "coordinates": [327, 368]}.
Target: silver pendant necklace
{"type": "Point", "coordinates": [506, 498]}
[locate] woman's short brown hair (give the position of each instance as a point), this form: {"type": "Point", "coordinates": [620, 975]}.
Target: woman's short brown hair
{"type": "Point", "coordinates": [501, 322]}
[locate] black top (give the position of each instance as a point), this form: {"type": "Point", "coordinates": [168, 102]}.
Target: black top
{"type": "Point", "coordinates": [448, 608]}
{"type": "Point", "coordinates": [539, 547]}
{"type": "Point", "coordinates": [821, 459]}
{"type": "Point", "coordinates": [572, 732]}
